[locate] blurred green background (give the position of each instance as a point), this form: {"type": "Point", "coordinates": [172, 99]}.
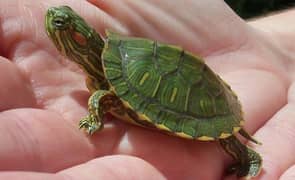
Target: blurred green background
{"type": "Point", "coordinates": [251, 8]}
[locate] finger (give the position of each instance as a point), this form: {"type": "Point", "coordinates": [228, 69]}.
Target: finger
{"type": "Point", "coordinates": [289, 174]}
{"type": "Point", "coordinates": [109, 167]}
{"type": "Point", "coordinates": [114, 167]}
{"type": "Point", "coordinates": [190, 24]}
{"type": "Point", "coordinates": [277, 137]}
{"type": "Point", "coordinates": [22, 175]}
{"type": "Point", "coordinates": [275, 24]}
{"type": "Point", "coordinates": [38, 140]}
{"type": "Point", "coordinates": [15, 91]}
{"type": "Point", "coordinates": [44, 141]}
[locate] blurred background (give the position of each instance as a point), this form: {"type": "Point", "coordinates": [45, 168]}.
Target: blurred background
{"type": "Point", "coordinates": [253, 8]}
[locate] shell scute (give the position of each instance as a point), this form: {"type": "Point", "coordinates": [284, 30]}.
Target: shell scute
{"type": "Point", "coordinates": [166, 60]}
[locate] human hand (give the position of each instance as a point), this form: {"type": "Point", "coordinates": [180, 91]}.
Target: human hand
{"type": "Point", "coordinates": [45, 96]}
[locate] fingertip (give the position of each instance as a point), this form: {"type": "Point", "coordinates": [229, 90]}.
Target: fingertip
{"type": "Point", "coordinates": [114, 167]}
{"type": "Point", "coordinates": [289, 174]}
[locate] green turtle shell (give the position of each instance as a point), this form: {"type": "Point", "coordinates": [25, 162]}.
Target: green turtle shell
{"type": "Point", "coordinates": [170, 88]}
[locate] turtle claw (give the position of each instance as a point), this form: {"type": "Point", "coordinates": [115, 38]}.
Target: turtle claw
{"type": "Point", "coordinates": [90, 124]}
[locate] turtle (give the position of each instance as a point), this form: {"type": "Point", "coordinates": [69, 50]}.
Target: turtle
{"type": "Point", "coordinates": [153, 85]}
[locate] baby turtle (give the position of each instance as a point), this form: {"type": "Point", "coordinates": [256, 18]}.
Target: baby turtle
{"type": "Point", "coordinates": [154, 85]}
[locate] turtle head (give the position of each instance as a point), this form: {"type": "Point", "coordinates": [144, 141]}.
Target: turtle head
{"type": "Point", "coordinates": [74, 38]}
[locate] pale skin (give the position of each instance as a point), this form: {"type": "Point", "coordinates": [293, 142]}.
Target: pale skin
{"type": "Point", "coordinates": [43, 96]}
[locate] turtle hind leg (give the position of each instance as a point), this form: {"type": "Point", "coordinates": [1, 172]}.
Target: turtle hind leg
{"type": "Point", "coordinates": [99, 103]}
{"type": "Point", "coordinates": [248, 162]}
{"type": "Point", "coordinates": [255, 163]}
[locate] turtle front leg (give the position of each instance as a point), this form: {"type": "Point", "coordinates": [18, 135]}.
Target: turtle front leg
{"type": "Point", "coordinates": [99, 103]}
{"type": "Point", "coordinates": [248, 162]}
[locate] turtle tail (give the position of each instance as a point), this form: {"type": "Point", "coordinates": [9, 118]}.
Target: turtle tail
{"type": "Point", "coordinates": [249, 137]}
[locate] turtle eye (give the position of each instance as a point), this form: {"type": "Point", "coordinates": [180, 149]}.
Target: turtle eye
{"type": "Point", "coordinates": [58, 22]}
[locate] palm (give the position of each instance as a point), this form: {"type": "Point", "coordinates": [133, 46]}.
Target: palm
{"type": "Point", "coordinates": [44, 96]}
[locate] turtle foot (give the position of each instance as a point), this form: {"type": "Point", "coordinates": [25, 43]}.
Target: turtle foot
{"type": "Point", "coordinates": [255, 163]}
{"type": "Point", "coordinates": [248, 169]}
{"type": "Point", "coordinates": [90, 124]}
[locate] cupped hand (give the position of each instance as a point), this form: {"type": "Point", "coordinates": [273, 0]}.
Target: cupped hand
{"type": "Point", "coordinates": [43, 96]}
